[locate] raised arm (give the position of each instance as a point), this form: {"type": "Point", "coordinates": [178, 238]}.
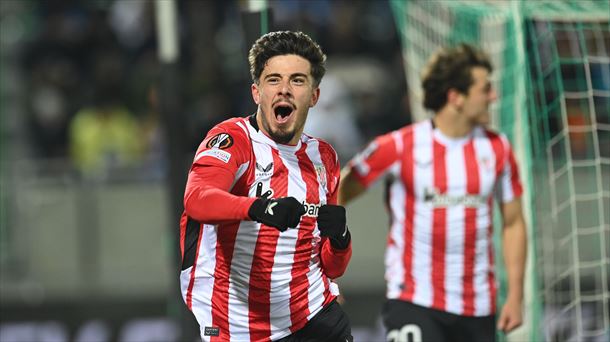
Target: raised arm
{"type": "Point", "coordinates": [349, 187]}
{"type": "Point", "coordinates": [215, 169]}
{"type": "Point", "coordinates": [368, 166]}
{"type": "Point", "coordinates": [336, 249]}
{"type": "Point", "coordinates": [220, 161]}
{"type": "Point", "coordinates": [207, 198]}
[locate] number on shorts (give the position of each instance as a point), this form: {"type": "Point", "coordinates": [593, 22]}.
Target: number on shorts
{"type": "Point", "coordinates": [408, 333]}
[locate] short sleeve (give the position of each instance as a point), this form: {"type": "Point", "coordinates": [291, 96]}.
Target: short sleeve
{"type": "Point", "coordinates": [376, 159]}
{"type": "Point", "coordinates": [509, 185]}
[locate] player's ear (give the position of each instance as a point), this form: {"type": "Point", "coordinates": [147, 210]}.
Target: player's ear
{"type": "Point", "coordinates": [315, 96]}
{"type": "Point", "coordinates": [455, 98]}
{"type": "Point", "coordinates": [255, 93]}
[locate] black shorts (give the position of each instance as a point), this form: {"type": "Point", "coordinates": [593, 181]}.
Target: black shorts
{"type": "Point", "coordinates": [406, 321]}
{"type": "Point", "coordinates": [330, 324]}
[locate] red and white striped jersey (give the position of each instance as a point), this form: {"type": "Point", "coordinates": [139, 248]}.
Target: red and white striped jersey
{"type": "Point", "coordinates": [439, 252]}
{"type": "Point", "coordinates": [247, 281]}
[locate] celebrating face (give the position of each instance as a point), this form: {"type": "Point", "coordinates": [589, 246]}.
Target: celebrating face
{"type": "Point", "coordinates": [284, 93]}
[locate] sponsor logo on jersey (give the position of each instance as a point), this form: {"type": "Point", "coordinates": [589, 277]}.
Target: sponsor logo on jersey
{"type": "Point", "coordinates": [444, 200]}
{"type": "Point", "coordinates": [264, 170]}
{"type": "Point", "coordinates": [311, 209]}
{"type": "Point", "coordinates": [215, 153]}
{"type": "Point", "coordinates": [221, 141]}
{"type": "Point", "coordinates": [267, 168]}
{"type": "Point", "coordinates": [211, 331]}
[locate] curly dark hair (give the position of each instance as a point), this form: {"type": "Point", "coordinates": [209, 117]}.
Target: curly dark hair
{"type": "Point", "coordinates": [286, 43]}
{"type": "Point", "coordinates": [450, 68]}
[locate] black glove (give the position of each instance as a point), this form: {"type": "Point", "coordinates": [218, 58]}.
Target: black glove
{"type": "Point", "coordinates": [332, 223]}
{"type": "Point", "coordinates": [281, 213]}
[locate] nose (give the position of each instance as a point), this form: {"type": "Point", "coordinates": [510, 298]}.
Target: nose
{"type": "Point", "coordinates": [493, 95]}
{"type": "Point", "coordinates": [285, 88]}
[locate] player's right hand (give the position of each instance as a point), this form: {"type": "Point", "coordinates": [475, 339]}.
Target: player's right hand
{"type": "Point", "coordinates": [281, 213]}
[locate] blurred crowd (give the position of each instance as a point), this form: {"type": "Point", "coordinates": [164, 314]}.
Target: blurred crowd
{"type": "Point", "coordinates": [89, 72]}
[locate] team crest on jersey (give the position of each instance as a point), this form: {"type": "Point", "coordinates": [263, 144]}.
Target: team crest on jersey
{"type": "Point", "coordinates": [487, 163]}
{"type": "Point", "coordinates": [321, 172]}
{"type": "Point", "coordinates": [221, 141]}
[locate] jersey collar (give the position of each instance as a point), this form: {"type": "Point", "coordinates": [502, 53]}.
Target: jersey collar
{"type": "Point", "coordinates": [257, 135]}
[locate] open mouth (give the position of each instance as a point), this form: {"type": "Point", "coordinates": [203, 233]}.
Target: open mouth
{"type": "Point", "coordinates": [282, 112]}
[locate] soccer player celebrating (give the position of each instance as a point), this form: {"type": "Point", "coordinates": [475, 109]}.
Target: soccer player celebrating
{"type": "Point", "coordinates": [261, 234]}
{"type": "Point", "coordinates": [443, 175]}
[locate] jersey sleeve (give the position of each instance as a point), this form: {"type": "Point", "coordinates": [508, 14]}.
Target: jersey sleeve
{"type": "Point", "coordinates": [333, 172]}
{"type": "Point", "coordinates": [216, 166]}
{"type": "Point", "coordinates": [226, 146]}
{"type": "Point", "coordinates": [509, 185]}
{"type": "Point", "coordinates": [334, 261]}
{"type": "Point", "coordinates": [375, 160]}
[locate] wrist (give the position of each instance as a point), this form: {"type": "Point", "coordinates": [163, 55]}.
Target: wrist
{"type": "Point", "coordinates": [342, 240]}
{"type": "Point", "coordinates": [514, 297]}
{"type": "Point", "coordinates": [257, 206]}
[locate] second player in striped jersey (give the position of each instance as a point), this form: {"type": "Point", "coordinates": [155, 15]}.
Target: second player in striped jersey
{"type": "Point", "coordinates": [443, 176]}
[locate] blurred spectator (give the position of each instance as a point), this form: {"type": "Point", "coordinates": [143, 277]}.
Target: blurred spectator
{"type": "Point", "coordinates": [49, 117]}
{"type": "Point", "coordinates": [334, 118]}
{"type": "Point", "coordinates": [154, 145]}
{"type": "Point", "coordinates": [104, 136]}
{"type": "Point", "coordinates": [132, 23]}
{"type": "Point", "coordinates": [376, 98]}
{"type": "Point", "coordinates": [77, 46]}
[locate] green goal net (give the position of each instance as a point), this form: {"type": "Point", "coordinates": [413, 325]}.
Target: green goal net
{"type": "Point", "coordinates": [552, 73]}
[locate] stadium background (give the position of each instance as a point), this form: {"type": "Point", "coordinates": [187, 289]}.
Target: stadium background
{"type": "Point", "coordinates": [88, 239]}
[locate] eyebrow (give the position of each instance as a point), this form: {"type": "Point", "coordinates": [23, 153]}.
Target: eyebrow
{"type": "Point", "coordinates": [297, 74]}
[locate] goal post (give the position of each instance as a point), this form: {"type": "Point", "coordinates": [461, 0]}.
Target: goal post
{"type": "Point", "coordinates": [570, 141]}
{"type": "Point", "coordinates": [551, 72]}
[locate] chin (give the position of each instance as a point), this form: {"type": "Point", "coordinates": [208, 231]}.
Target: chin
{"type": "Point", "coordinates": [484, 119]}
{"type": "Point", "coordinates": [282, 137]}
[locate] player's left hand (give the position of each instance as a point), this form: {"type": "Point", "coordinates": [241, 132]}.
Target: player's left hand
{"type": "Point", "coordinates": [511, 316]}
{"type": "Point", "coordinates": [331, 220]}
{"type": "Point", "coordinates": [332, 223]}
